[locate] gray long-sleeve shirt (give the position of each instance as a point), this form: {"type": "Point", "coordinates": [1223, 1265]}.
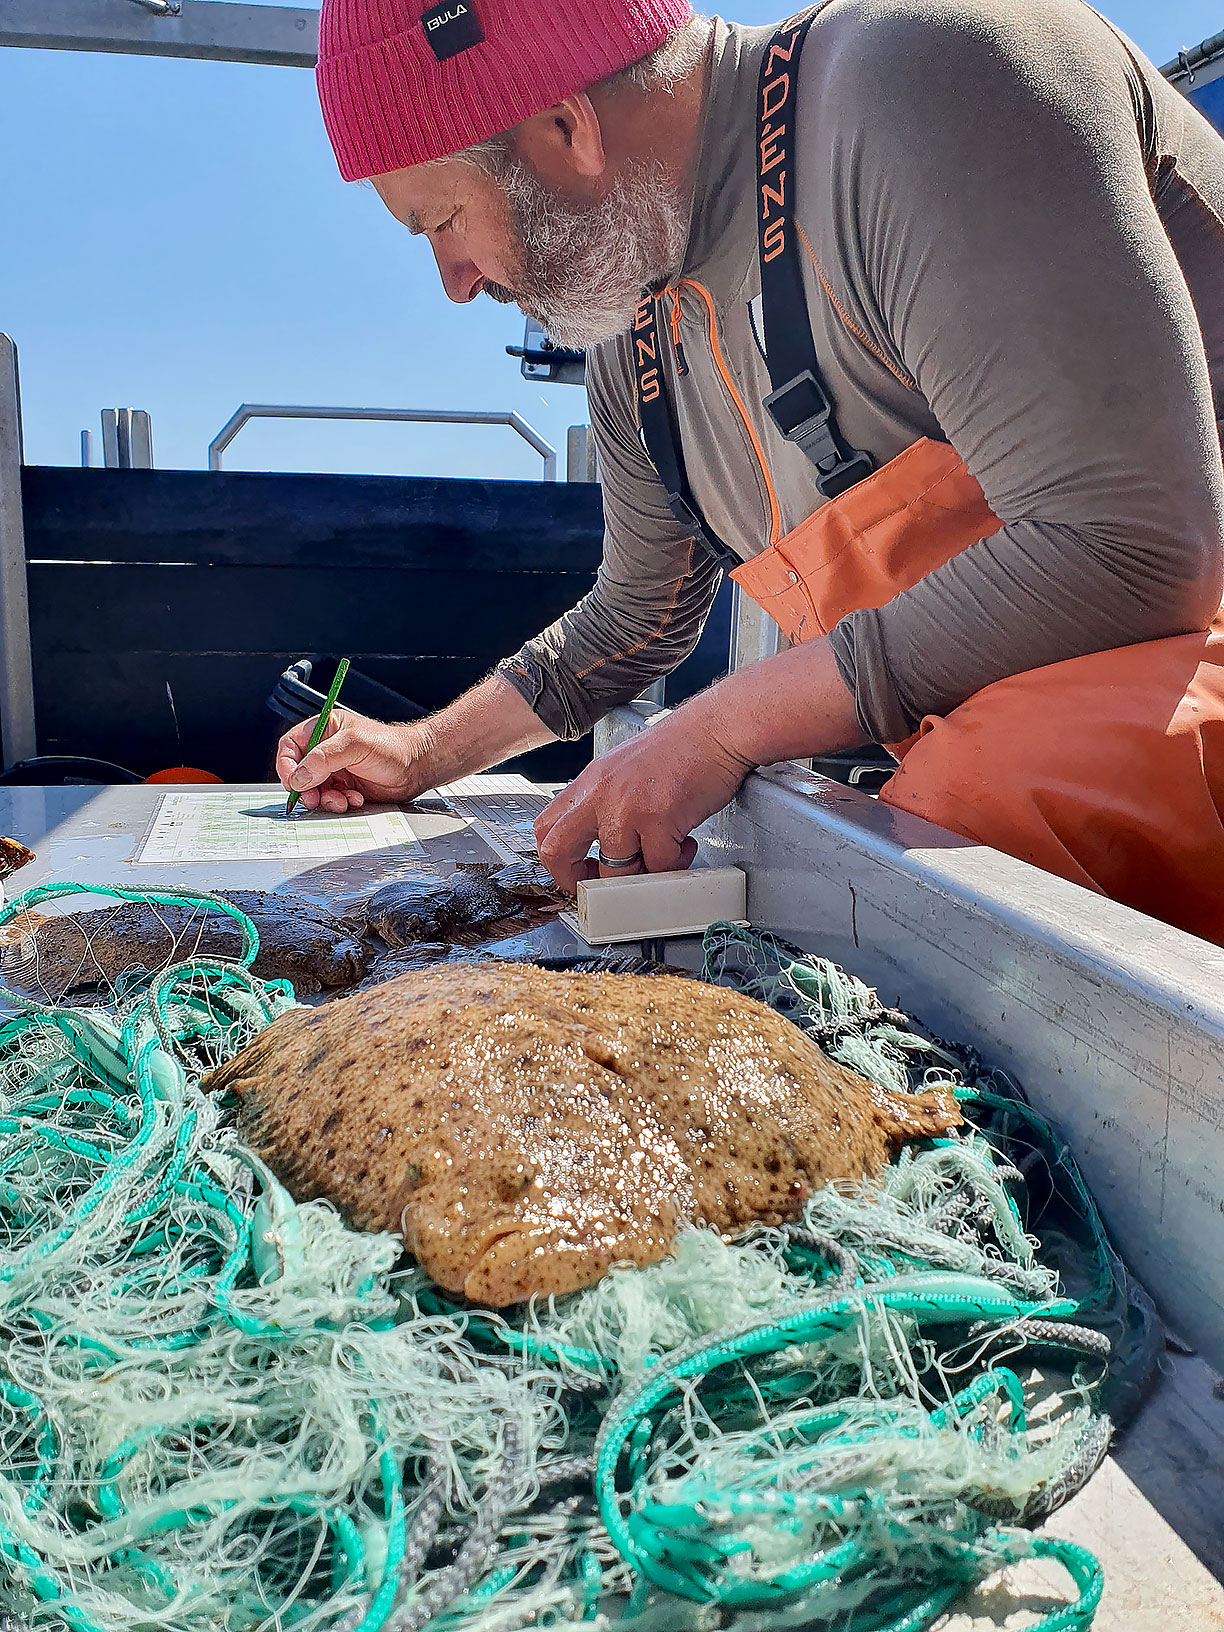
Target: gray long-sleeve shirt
{"type": "Point", "coordinates": [1015, 236]}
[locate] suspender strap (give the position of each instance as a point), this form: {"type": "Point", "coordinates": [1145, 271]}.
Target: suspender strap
{"type": "Point", "coordinates": [799, 403]}
{"type": "Point", "coordinates": [660, 435]}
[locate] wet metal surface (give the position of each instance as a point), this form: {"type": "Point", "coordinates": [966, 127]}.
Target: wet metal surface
{"type": "Point", "coordinates": [90, 835]}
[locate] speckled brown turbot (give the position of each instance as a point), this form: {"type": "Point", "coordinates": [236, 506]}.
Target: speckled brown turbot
{"type": "Point", "coordinates": [525, 1128]}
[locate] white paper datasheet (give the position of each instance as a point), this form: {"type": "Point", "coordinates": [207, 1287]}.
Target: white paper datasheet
{"type": "Point", "coordinates": [227, 825]}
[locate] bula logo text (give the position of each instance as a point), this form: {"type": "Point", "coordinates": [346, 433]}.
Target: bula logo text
{"type": "Point", "coordinates": [450, 27]}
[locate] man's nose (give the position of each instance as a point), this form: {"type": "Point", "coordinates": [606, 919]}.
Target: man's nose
{"type": "Point", "coordinates": [462, 279]}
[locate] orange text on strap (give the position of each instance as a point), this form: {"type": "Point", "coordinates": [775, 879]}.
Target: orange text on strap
{"type": "Point", "coordinates": [646, 351]}
{"type": "Point", "coordinates": [775, 99]}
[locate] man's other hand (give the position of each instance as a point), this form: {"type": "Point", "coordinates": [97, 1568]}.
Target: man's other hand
{"type": "Point", "coordinates": [640, 803]}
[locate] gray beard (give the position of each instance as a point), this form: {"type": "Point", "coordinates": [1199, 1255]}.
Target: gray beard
{"type": "Point", "coordinates": [585, 267]}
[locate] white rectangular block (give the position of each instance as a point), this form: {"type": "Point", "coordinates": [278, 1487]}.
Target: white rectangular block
{"type": "Point", "coordinates": [649, 905]}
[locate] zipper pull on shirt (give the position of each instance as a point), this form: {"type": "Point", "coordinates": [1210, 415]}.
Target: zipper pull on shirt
{"type": "Point", "coordinates": [681, 365]}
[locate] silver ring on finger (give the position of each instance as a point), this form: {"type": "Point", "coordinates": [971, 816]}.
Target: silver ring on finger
{"type": "Point", "coordinates": [619, 861]}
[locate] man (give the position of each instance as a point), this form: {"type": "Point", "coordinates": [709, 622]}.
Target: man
{"type": "Point", "coordinates": [931, 351]}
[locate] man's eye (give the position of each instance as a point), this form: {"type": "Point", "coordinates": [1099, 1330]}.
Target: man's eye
{"type": "Point", "coordinates": [448, 223]}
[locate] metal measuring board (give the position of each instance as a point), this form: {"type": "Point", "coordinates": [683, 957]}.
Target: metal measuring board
{"type": "Point", "coordinates": [502, 808]}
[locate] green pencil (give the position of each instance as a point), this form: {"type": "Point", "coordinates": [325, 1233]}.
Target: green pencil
{"type": "Point", "coordinates": [316, 736]}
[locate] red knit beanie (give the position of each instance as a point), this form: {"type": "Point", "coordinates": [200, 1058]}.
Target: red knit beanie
{"type": "Point", "coordinates": [400, 85]}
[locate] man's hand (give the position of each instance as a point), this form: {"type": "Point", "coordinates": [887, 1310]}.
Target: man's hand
{"type": "Point", "coordinates": [358, 759]}
{"type": "Point", "coordinates": [643, 800]}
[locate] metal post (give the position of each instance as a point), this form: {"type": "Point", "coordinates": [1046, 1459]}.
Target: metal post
{"type": "Point", "coordinates": [127, 439]}
{"type": "Point", "coordinates": [754, 634]}
{"type": "Point", "coordinates": [581, 464]}
{"type": "Point", "coordinates": [140, 439]}
{"type": "Point", "coordinates": [110, 438]}
{"type": "Point", "coordinates": [16, 665]}
{"type": "Point", "coordinates": [86, 449]}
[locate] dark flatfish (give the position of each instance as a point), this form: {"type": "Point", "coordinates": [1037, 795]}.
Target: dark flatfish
{"type": "Point", "coordinates": [476, 902]}
{"type": "Point", "coordinates": [430, 907]}
{"type": "Point", "coordinates": [528, 881]}
{"type": "Point", "coordinates": [408, 911]}
{"type": "Point", "coordinates": [298, 941]}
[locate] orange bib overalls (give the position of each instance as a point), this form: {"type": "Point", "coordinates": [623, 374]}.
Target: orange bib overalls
{"type": "Point", "coordinates": [1106, 769]}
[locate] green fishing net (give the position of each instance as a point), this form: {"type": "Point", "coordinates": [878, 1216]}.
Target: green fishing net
{"type": "Point", "coordinates": [220, 1409]}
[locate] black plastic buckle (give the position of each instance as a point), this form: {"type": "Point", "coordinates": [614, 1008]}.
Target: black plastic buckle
{"type": "Point", "coordinates": [693, 523]}
{"type": "Point", "coordinates": [684, 513]}
{"type": "Point", "coordinates": [845, 473]}
{"type": "Point", "coordinates": [797, 403]}
{"type": "Point", "coordinates": [803, 413]}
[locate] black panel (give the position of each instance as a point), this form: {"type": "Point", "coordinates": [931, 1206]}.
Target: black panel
{"type": "Point", "coordinates": [222, 723]}
{"type": "Point", "coordinates": [424, 583]}
{"type": "Point", "coordinates": [253, 519]}
{"type": "Point", "coordinates": [149, 588]}
{"type": "Point", "coordinates": [122, 706]}
{"type": "Point", "coordinates": [228, 611]}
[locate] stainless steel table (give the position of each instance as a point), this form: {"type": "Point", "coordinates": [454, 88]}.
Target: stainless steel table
{"type": "Point", "coordinates": [93, 835]}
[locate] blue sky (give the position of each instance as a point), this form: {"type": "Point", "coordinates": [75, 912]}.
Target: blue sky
{"type": "Point", "coordinates": [176, 238]}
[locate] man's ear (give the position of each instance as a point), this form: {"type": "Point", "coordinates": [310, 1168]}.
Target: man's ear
{"type": "Point", "coordinates": [564, 144]}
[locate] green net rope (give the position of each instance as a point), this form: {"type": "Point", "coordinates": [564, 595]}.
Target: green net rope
{"type": "Point", "coordinates": [220, 1408]}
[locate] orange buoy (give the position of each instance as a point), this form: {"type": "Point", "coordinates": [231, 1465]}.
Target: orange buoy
{"type": "Point", "coordinates": [183, 773]}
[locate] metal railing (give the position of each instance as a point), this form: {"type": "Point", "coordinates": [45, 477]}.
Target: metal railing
{"type": "Point", "coordinates": [412, 416]}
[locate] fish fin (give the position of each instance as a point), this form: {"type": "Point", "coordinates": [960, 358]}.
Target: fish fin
{"type": "Point", "coordinates": [533, 1263]}
{"type": "Point", "coordinates": [254, 1056]}
{"type": "Point", "coordinates": [926, 1113]}
{"type": "Point", "coordinates": [538, 1262]}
